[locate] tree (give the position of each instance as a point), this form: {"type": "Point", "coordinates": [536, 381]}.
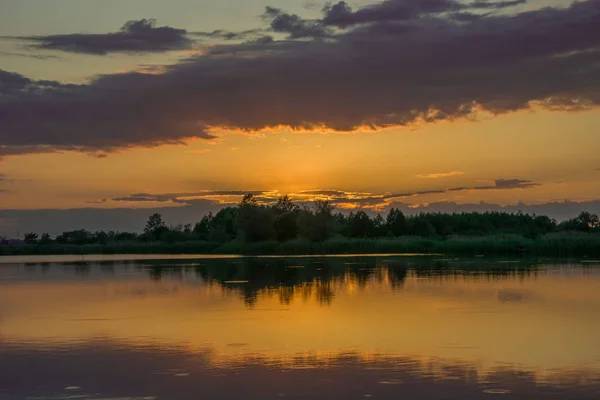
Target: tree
{"type": "Point", "coordinates": [155, 227]}
{"type": "Point", "coordinates": [46, 239]}
{"type": "Point", "coordinates": [396, 222]}
{"type": "Point", "coordinates": [422, 227]}
{"type": "Point", "coordinates": [254, 222]}
{"type": "Point", "coordinates": [583, 222]}
{"type": "Point", "coordinates": [317, 224]}
{"type": "Point", "coordinates": [286, 226]}
{"type": "Point", "coordinates": [100, 237]}
{"type": "Point", "coordinates": [284, 205]}
{"type": "Point", "coordinates": [380, 226]}
{"type": "Point", "coordinates": [80, 236]}
{"type": "Point", "coordinates": [224, 225]}
{"type": "Point", "coordinates": [202, 228]}
{"type": "Point", "coordinates": [589, 220]}
{"type": "Point", "coordinates": [31, 238]}
{"type": "Point", "coordinates": [154, 223]}
{"type": "Point", "coordinates": [360, 225]}
{"type": "Point", "coordinates": [248, 199]}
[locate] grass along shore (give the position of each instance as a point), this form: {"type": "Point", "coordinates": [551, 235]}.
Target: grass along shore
{"type": "Point", "coordinates": [564, 244]}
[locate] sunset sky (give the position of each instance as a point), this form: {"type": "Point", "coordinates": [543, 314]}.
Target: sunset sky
{"type": "Point", "coordinates": [187, 104]}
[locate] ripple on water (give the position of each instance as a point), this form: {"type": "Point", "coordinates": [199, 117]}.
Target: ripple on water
{"type": "Point", "coordinates": [391, 382]}
{"type": "Point", "coordinates": [496, 391]}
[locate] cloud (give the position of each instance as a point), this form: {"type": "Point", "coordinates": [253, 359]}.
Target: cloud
{"type": "Point", "coordinates": [141, 36]}
{"type": "Point", "coordinates": [338, 197]}
{"type": "Point", "coordinates": [319, 192]}
{"type": "Point", "coordinates": [229, 35]}
{"type": "Point", "coordinates": [296, 27]}
{"type": "Point", "coordinates": [185, 198]}
{"type": "Point", "coordinates": [385, 74]}
{"type": "Point", "coordinates": [440, 175]}
{"type": "Point", "coordinates": [514, 184]}
{"type": "Point", "coordinates": [28, 55]}
{"type": "Point", "coordinates": [381, 201]}
{"type": "Point", "coordinates": [342, 15]}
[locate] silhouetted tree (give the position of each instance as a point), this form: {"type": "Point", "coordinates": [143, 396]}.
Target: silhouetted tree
{"type": "Point", "coordinates": [254, 221]}
{"type": "Point", "coordinates": [155, 222]}
{"type": "Point", "coordinates": [202, 228]}
{"type": "Point", "coordinates": [317, 224]}
{"type": "Point", "coordinates": [79, 237]}
{"type": "Point", "coordinates": [100, 237]}
{"type": "Point", "coordinates": [31, 238]}
{"type": "Point", "coordinates": [155, 227]}
{"type": "Point", "coordinates": [583, 222]}
{"type": "Point", "coordinates": [284, 205]}
{"type": "Point", "coordinates": [422, 227]}
{"type": "Point", "coordinates": [396, 222]}
{"type": "Point", "coordinates": [360, 225]}
{"type": "Point", "coordinates": [46, 239]}
{"type": "Point", "coordinates": [286, 226]}
{"type": "Point", "coordinates": [223, 227]}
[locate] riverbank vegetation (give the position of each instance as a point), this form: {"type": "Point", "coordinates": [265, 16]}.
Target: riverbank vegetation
{"type": "Point", "coordinates": [288, 228]}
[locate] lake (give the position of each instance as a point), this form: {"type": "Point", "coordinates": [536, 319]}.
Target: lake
{"type": "Point", "coordinates": [381, 327]}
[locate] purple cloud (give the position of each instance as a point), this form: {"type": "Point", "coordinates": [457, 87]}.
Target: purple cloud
{"type": "Point", "coordinates": [380, 75]}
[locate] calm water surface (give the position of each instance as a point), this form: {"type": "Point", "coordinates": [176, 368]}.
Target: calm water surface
{"type": "Point", "coordinates": [326, 328]}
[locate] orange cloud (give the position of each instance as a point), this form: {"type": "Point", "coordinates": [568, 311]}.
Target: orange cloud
{"type": "Point", "coordinates": [440, 175]}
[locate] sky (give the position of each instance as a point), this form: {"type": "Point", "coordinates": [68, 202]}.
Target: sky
{"type": "Point", "coordinates": [111, 109]}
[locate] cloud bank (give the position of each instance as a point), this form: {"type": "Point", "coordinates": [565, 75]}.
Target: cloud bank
{"type": "Point", "coordinates": [379, 71]}
{"type": "Point", "coordinates": [141, 36]}
{"type": "Point", "coordinates": [342, 15]}
{"type": "Point", "coordinates": [339, 198]}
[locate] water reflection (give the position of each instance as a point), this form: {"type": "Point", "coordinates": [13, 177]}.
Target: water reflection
{"type": "Point", "coordinates": [312, 327]}
{"type": "Point", "coordinates": [252, 277]}
{"type": "Point", "coordinates": [102, 368]}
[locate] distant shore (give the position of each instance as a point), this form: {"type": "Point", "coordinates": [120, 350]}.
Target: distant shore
{"type": "Point", "coordinates": [564, 244]}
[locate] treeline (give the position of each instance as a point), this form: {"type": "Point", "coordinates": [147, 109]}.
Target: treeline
{"type": "Point", "coordinates": [283, 221]}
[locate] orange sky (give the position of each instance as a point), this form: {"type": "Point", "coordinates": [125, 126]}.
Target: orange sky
{"type": "Point", "coordinates": [557, 150]}
{"type": "Point", "coordinates": [168, 132]}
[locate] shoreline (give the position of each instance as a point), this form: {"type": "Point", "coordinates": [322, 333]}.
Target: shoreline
{"type": "Point", "coordinates": [551, 245]}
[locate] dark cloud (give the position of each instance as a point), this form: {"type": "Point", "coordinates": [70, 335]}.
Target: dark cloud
{"type": "Point", "coordinates": [292, 24]}
{"type": "Point", "coordinates": [29, 55]}
{"type": "Point", "coordinates": [505, 184]}
{"type": "Point", "coordinates": [335, 196]}
{"type": "Point", "coordinates": [323, 193]}
{"type": "Point", "coordinates": [514, 184]}
{"type": "Point", "coordinates": [487, 4]}
{"type": "Point", "coordinates": [229, 35]}
{"type": "Point", "coordinates": [142, 36]}
{"type": "Point", "coordinates": [342, 15]}
{"type": "Point", "coordinates": [379, 75]}
{"type": "Point", "coordinates": [382, 200]}
{"type": "Point", "coordinates": [467, 16]}
{"type": "Point", "coordinates": [182, 198]}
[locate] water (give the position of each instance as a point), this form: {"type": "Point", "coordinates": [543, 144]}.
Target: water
{"type": "Point", "coordinates": [326, 328]}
